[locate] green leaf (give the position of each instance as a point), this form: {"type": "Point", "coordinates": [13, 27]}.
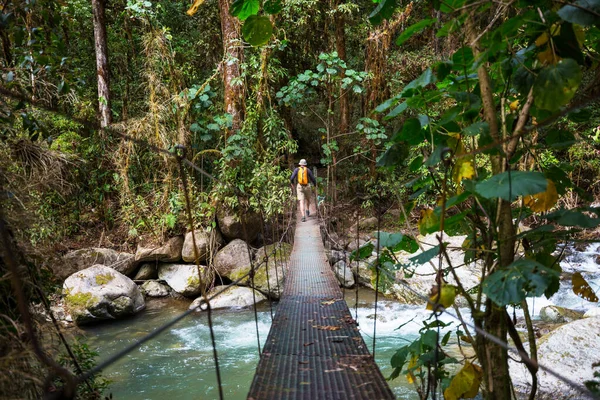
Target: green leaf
{"type": "Point", "coordinates": [580, 14]}
{"type": "Point", "coordinates": [257, 30]}
{"type": "Point", "coordinates": [411, 132]}
{"type": "Point", "coordinates": [414, 29]}
{"type": "Point", "coordinates": [384, 10]}
{"type": "Point", "coordinates": [416, 164]}
{"type": "Point", "coordinates": [476, 129]}
{"type": "Point", "coordinates": [573, 218]}
{"type": "Point", "coordinates": [579, 116]}
{"type": "Point", "coordinates": [426, 255]}
{"type": "Point", "coordinates": [393, 156]}
{"type": "Point", "coordinates": [559, 139]}
{"type": "Point", "coordinates": [399, 109]}
{"type": "Point", "coordinates": [244, 8]}
{"type": "Point", "coordinates": [386, 104]}
{"type": "Point", "coordinates": [523, 278]}
{"type": "Point", "coordinates": [390, 240]}
{"type": "Point", "coordinates": [426, 78]}
{"type": "Point", "coordinates": [556, 85]}
{"type": "Point", "coordinates": [362, 253]}
{"type": "Point", "coordinates": [273, 6]}
{"type": "Point", "coordinates": [511, 184]}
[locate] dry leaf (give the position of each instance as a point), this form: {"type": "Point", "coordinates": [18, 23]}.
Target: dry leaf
{"type": "Point", "coordinates": [582, 289]}
{"type": "Point", "coordinates": [194, 8]}
{"type": "Point", "coordinates": [543, 201]}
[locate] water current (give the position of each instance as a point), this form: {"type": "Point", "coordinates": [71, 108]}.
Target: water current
{"type": "Point", "coordinates": [179, 363]}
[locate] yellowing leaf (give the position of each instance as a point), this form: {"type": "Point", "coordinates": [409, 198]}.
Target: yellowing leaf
{"type": "Point", "coordinates": [542, 39]}
{"type": "Point", "coordinates": [465, 384]}
{"type": "Point", "coordinates": [514, 105]}
{"type": "Point", "coordinates": [194, 8]}
{"type": "Point", "coordinates": [582, 289]}
{"type": "Point", "coordinates": [427, 222]}
{"type": "Point", "coordinates": [410, 377]}
{"type": "Point", "coordinates": [446, 298]}
{"type": "Point", "coordinates": [548, 57]}
{"type": "Point", "coordinates": [542, 201]}
{"type": "Point", "coordinates": [463, 169]}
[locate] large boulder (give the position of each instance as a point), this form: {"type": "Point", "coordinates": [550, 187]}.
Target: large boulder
{"type": "Point", "coordinates": [207, 243]}
{"type": "Point", "coordinates": [168, 252]}
{"type": "Point", "coordinates": [84, 258]}
{"type": "Point", "coordinates": [270, 265]}
{"type": "Point", "coordinates": [185, 279]}
{"type": "Point", "coordinates": [232, 297]}
{"type": "Point", "coordinates": [344, 274]}
{"type": "Point", "coordinates": [335, 255]}
{"type": "Point", "coordinates": [233, 261]}
{"type": "Point", "coordinates": [556, 314]}
{"type": "Point", "coordinates": [232, 228]}
{"type": "Point", "coordinates": [155, 289]}
{"type": "Point", "coordinates": [571, 350]}
{"type": "Point", "coordinates": [592, 313]}
{"type": "Point", "coordinates": [99, 292]}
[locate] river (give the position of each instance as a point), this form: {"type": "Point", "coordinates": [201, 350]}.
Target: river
{"type": "Point", "coordinates": [179, 363]}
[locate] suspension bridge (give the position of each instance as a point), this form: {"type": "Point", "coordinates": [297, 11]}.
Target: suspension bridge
{"type": "Point", "coordinates": [314, 349]}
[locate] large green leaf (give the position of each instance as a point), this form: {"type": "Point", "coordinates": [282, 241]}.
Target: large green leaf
{"type": "Point", "coordinates": [411, 132]}
{"type": "Point", "coordinates": [523, 278]}
{"type": "Point", "coordinates": [511, 184]}
{"type": "Point", "coordinates": [384, 10]}
{"type": "Point", "coordinates": [573, 218]}
{"type": "Point", "coordinates": [556, 85]}
{"type": "Point", "coordinates": [362, 253]}
{"type": "Point", "coordinates": [257, 30]}
{"type": "Point", "coordinates": [559, 139]}
{"type": "Point", "coordinates": [413, 29]}
{"type": "Point", "coordinates": [427, 255]}
{"type": "Point", "coordinates": [244, 8]}
{"type": "Point", "coordinates": [393, 156]}
{"type": "Point", "coordinates": [582, 12]}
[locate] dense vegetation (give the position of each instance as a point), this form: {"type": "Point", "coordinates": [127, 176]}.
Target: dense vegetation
{"type": "Point", "coordinates": [472, 117]}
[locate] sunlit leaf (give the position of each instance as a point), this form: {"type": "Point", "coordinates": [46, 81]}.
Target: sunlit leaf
{"type": "Point", "coordinates": [425, 256]}
{"type": "Point", "coordinates": [582, 289]}
{"type": "Point", "coordinates": [543, 201]}
{"type": "Point", "coordinates": [244, 8]}
{"type": "Point", "coordinates": [463, 169]}
{"type": "Point", "coordinates": [194, 8]}
{"type": "Point", "coordinates": [428, 221]}
{"type": "Point", "coordinates": [465, 384]}
{"type": "Point", "coordinates": [445, 298]}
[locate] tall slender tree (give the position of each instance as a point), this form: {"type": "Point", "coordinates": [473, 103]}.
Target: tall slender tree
{"type": "Point", "coordinates": [102, 66]}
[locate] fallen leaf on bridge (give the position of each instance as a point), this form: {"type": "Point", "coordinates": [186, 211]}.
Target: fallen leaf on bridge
{"type": "Point", "coordinates": [327, 327]}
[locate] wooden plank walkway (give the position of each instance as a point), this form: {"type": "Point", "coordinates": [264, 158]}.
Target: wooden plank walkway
{"type": "Point", "coordinates": [314, 349]}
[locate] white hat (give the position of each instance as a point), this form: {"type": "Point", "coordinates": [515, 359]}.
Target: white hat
{"type": "Point", "coordinates": [302, 162]}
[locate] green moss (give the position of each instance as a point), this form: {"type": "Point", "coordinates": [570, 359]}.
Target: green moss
{"type": "Point", "coordinates": [79, 300]}
{"type": "Point", "coordinates": [193, 281]}
{"type": "Point", "coordinates": [103, 279]}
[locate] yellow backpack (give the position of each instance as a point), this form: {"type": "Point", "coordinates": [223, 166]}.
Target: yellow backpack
{"type": "Point", "coordinates": [303, 176]}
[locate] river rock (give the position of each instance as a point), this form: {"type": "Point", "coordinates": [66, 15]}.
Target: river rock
{"type": "Point", "coordinates": [232, 228]}
{"type": "Point", "coordinates": [368, 223]}
{"type": "Point", "coordinates": [233, 260]}
{"type": "Point", "coordinates": [155, 289]}
{"type": "Point", "coordinates": [592, 313]}
{"type": "Point", "coordinates": [571, 350]}
{"type": "Point", "coordinates": [168, 252]}
{"type": "Point", "coordinates": [232, 297]}
{"type": "Point", "coordinates": [336, 255]}
{"type": "Point", "coordinates": [185, 279]}
{"type": "Point", "coordinates": [559, 314]}
{"type": "Point", "coordinates": [84, 258]}
{"type": "Point", "coordinates": [276, 258]}
{"type": "Point", "coordinates": [147, 271]}
{"type": "Point", "coordinates": [207, 243]}
{"type": "Point", "coordinates": [344, 274]}
{"type": "Point", "coordinates": [99, 293]}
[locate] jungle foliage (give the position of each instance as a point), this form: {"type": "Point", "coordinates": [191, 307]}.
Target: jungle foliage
{"type": "Point", "coordinates": [473, 117]}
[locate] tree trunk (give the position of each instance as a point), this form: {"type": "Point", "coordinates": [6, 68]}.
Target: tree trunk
{"type": "Point", "coordinates": [102, 62]}
{"type": "Point", "coordinates": [233, 56]}
{"type": "Point", "coordinates": [340, 47]}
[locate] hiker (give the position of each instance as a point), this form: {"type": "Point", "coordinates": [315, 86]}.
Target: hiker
{"type": "Point", "coordinates": [302, 176]}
